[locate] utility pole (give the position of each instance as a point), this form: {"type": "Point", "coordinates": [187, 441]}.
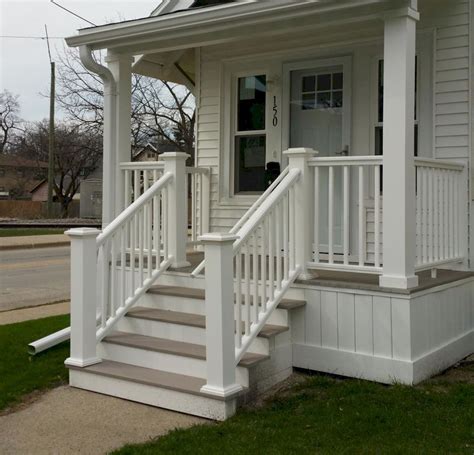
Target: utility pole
{"type": "Point", "coordinates": [51, 131]}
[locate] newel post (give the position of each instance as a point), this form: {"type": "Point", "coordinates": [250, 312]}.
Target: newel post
{"type": "Point", "coordinates": [175, 163]}
{"type": "Point", "coordinates": [399, 212]}
{"type": "Point", "coordinates": [220, 325]}
{"type": "Point", "coordinates": [83, 297]}
{"type": "Point", "coordinates": [304, 207]}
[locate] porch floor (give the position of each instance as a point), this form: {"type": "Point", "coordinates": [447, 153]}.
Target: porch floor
{"type": "Point", "coordinates": [361, 281]}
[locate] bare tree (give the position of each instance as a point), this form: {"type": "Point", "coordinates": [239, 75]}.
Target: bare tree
{"type": "Point", "coordinates": [9, 118]}
{"type": "Point", "coordinates": [77, 155]}
{"type": "Point", "coordinates": [161, 112]}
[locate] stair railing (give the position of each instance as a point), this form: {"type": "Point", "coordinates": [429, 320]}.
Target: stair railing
{"type": "Point", "coordinates": [249, 271]}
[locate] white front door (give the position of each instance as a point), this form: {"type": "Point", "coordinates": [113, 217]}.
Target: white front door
{"type": "Point", "coordinates": [319, 120]}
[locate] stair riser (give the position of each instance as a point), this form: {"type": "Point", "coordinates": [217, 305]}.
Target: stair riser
{"type": "Point", "coordinates": [197, 306]}
{"type": "Point", "coordinates": [154, 396]}
{"type": "Point", "coordinates": [177, 332]}
{"type": "Point", "coordinates": [162, 361]}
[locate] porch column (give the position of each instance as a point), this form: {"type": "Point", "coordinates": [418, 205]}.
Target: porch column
{"type": "Point", "coordinates": [304, 206]}
{"type": "Point", "coordinates": [121, 67]}
{"type": "Point", "coordinates": [175, 163]}
{"type": "Point", "coordinates": [399, 218]}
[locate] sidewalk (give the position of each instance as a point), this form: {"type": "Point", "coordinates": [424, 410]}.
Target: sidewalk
{"type": "Point", "coordinates": [37, 312]}
{"type": "Point", "coordinates": [33, 241]}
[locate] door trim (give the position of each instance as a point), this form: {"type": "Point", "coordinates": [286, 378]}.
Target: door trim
{"type": "Point", "coordinates": [346, 63]}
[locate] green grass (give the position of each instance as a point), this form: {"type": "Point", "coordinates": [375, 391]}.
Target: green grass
{"type": "Point", "coordinates": [334, 416]}
{"type": "Point", "coordinates": [16, 232]}
{"type": "Point", "coordinates": [20, 373]}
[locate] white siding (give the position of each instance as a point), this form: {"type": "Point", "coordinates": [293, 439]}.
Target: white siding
{"type": "Point", "coordinates": [451, 77]}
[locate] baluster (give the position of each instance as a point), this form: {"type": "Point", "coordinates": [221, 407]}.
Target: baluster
{"type": "Point", "coordinates": [346, 220]}
{"type": "Point", "coordinates": [123, 281]}
{"type": "Point", "coordinates": [430, 216]}
{"type": "Point", "coordinates": [141, 235]}
{"type": "Point", "coordinates": [377, 215]}
{"type": "Point", "coordinates": [458, 189]}
{"type": "Point", "coordinates": [446, 199]}
{"type": "Point", "coordinates": [150, 239]}
{"type": "Point", "coordinates": [156, 229]}
{"type": "Point", "coordinates": [255, 276]}
{"type": "Point", "coordinates": [438, 230]}
{"type": "Point", "coordinates": [452, 205]}
{"type": "Point", "coordinates": [164, 222]}
{"type": "Point", "coordinates": [247, 289]}
{"type": "Point", "coordinates": [193, 208]}
{"type": "Point", "coordinates": [271, 256]}
{"type": "Point", "coordinates": [419, 238]}
{"type": "Point", "coordinates": [146, 214]}
{"type": "Point", "coordinates": [331, 215]}
{"type": "Point", "coordinates": [424, 204]}
{"type": "Point", "coordinates": [127, 188]}
{"type": "Point", "coordinates": [136, 184]}
{"type": "Point", "coordinates": [292, 226]}
{"type": "Point", "coordinates": [263, 265]}
{"type": "Point", "coordinates": [316, 215]}
{"type": "Point", "coordinates": [361, 217]}
{"type": "Point", "coordinates": [278, 226]}
{"type": "Point", "coordinates": [238, 300]}
{"type": "Point", "coordinates": [133, 235]}
{"type": "Point", "coordinates": [186, 202]}
{"type": "Point", "coordinates": [105, 285]}
{"type": "Point", "coordinates": [285, 239]}
{"type": "Point", "coordinates": [113, 278]}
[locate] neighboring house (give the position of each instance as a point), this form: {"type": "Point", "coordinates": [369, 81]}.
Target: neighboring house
{"type": "Point", "coordinates": [19, 175]}
{"type": "Point", "coordinates": [356, 261]}
{"type": "Point", "coordinates": [40, 192]}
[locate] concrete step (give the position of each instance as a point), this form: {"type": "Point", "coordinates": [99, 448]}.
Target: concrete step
{"type": "Point", "coordinates": [154, 387]}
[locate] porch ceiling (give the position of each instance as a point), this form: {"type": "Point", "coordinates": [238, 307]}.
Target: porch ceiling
{"type": "Point", "coordinates": [229, 23]}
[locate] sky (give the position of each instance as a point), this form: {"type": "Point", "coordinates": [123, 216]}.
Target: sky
{"type": "Point", "coordinates": [24, 62]}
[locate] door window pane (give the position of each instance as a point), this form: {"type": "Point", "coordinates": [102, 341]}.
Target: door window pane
{"type": "Point", "coordinates": [324, 82]}
{"type": "Point", "coordinates": [337, 81]}
{"type": "Point", "coordinates": [309, 83]}
{"type": "Point", "coordinates": [250, 163]}
{"type": "Point", "coordinates": [251, 103]}
{"type": "Point", "coordinates": [308, 101]}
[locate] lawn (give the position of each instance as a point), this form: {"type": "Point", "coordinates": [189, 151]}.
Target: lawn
{"type": "Point", "coordinates": [16, 232]}
{"type": "Point", "coordinates": [20, 373]}
{"type": "Point", "coordinates": [332, 415]}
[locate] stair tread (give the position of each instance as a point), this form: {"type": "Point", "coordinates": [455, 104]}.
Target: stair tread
{"type": "Point", "coordinates": [167, 346]}
{"type": "Point", "coordinates": [147, 376]}
{"type": "Point", "coordinates": [192, 320]}
{"type": "Point", "coordinates": [193, 293]}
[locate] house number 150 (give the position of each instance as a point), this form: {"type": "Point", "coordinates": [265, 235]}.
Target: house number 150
{"type": "Point", "coordinates": [275, 112]}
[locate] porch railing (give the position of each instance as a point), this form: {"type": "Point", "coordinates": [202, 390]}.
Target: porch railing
{"type": "Point", "coordinates": [139, 176]}
{"type": "Point", "coordinates": [339, 185]}
{"type": "Point", "coordinates": [441, 208]}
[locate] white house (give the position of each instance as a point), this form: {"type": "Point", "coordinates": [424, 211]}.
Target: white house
{"type": "Point", "coordinates": [357, 259]}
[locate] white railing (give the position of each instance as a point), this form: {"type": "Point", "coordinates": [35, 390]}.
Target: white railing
{"type": "Point", "coordinates": [139, 176]}
{"type": "Point", "coordinates": [264, 262]}
{"type": "Point", "coordinates": [339, 185]}
{"type": "Point", "coordinates": [247, 214]}
{"type": "Point", "coordinates": [441, 208]}
{"type": "Point", "coordinates": [132, 252]}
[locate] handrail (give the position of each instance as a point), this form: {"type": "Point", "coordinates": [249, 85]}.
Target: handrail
{"type": "Point", "coordinates": [448, 165]}
{"type": "Point", "coordinates": [133, 208]}
{"type": "Point", "coordinates": [253, 222]}
{"type": "Point", "coordinates": [345, 160]}
{"type": "Point", "coordinates": [248, 214]}
{"type": "Point", "coordinates": [130, 166]}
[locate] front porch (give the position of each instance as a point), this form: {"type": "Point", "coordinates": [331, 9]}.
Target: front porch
{"type": "Point", "coordinates": [370, 240]}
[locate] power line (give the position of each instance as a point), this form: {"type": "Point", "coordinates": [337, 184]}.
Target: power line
{"type": "Point", "coordinates": [72, 12]}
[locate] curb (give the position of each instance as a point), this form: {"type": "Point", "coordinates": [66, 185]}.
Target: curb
{"type": "Point", "coordinates": [32, 245]}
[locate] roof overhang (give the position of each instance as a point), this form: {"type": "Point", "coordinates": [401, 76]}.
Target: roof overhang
{"type": "Point", "coordinates": [228, 22]}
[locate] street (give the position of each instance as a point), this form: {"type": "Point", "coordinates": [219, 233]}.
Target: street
{"type": "Point", "coordinates": [32, 277]}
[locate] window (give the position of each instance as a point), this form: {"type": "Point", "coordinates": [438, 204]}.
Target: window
{"type": "Point", "coordinates": [322, 91]}
{"type": "Point", "coordinates": [250, 134]}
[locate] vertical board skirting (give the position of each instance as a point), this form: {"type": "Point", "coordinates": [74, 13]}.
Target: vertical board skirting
{"type": "Point", "coordinates": [346, 322]}
{"type": "Point", "coordinates": [329, 329]}
{"type": "Point", "coordinates": [364, 331]}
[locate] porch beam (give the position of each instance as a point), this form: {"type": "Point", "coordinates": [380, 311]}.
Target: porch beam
{"type": "Point", "coordinates": [399, 217]}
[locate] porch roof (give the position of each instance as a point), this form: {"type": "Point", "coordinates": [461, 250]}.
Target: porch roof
{"type": "Point", "coordinates": [228, 22]}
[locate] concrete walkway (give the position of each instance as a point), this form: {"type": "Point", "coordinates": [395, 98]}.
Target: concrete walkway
{"type": "Point", "coordinates": [33, 241]}
{"type": "Point", "coordinates": [38, 312]}
{"type": "Point", "coordinates": [73, 421]}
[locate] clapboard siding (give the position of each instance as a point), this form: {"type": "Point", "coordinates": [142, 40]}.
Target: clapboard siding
{"type": "Point", "coordinates": [451, 87]}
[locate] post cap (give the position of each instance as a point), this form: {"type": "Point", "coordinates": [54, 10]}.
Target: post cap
{"type": "Point", "coordinates": [174, 155]}
{"type": "Point", "coordinates": [217, 237]}
{"type": "Point", "coordinates": [300, 152]}
{"type": "Point", "coordinates": [83, 232]}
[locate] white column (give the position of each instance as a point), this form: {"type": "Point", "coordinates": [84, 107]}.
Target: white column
{"type": "Point", "coordinates": [121, 67]}
{"type": "Point", "coordinates": [220, 347]}
{"type": "Point", "coordinates": [304, 206]}
{"type": "Point", "coordinates": [175, 162]}
{"type": "Point", "coordinates": [83, 297]}
{"type": "Point", "coordinates": [399, 220]}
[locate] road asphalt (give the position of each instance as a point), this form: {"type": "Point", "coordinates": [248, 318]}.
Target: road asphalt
{"type": "Point", "coordinates": [34, 276]}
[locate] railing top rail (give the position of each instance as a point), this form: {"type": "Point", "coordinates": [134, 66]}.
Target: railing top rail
{"type": "Point", "coordinates": [253, 222]}
{"type": "Point", "coordinates": [345, 160]}
{"type": "Point", "coordinates": [142, 165]}
{"type": "Point", "coordinates": [439, 164]}
{"type": "Point", "coordinates": [133, 208]}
